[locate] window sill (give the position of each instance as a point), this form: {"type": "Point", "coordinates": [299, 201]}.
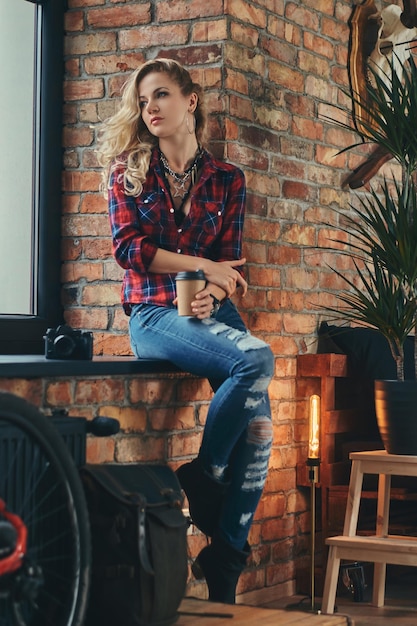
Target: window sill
{"type": "Point", "coordinates": [36, 366]}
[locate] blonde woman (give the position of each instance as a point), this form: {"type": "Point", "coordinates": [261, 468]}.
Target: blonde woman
{"type": "Point", "coordinates": [174, 207]}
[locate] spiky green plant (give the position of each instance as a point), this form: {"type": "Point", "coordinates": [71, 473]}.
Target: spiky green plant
{"type": "Point", "coordinates": [383, 228]}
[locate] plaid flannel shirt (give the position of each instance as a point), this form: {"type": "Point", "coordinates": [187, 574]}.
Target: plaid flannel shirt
{"type": "Point", "coordinates": [141, 225]}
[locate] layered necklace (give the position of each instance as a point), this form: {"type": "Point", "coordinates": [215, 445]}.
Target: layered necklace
{"type": "Point", "coordinates": [180, 185]}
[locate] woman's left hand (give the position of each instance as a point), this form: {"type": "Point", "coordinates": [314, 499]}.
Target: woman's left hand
{"type": "Point", "coordinates": [202, 305]}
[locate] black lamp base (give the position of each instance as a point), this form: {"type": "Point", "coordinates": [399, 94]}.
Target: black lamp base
{"type": "Point", "coordinates": [304, 605]}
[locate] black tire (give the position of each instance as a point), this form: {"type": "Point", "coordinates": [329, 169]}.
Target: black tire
{"type": "Point", "coordinates": [39, 482]}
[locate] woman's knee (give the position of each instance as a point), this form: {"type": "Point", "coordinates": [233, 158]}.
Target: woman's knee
{"type": "Point", "coordinates": [261, 361]}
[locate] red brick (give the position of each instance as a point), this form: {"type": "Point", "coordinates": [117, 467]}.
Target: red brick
{"type": "Point", "coordinates": [311, 63]}
{"type": "Point", "coordinates": [157, 391]}
{"type": "Point", "coordinates": [285, 77]}
{"type": "Point", "coordinates": [86, 318]}
{"type": "Point", "coordinates": [246, 12]}
{"type": "Point", "coordinates": [84, 89]}
{"type": "Point", "coordinates": [115, 17]}
{"type": "Point", "coordinates": [74, 21]}
{"type": "Point", "coordinates": [81, 181]}
{"type": "Point", "coordinates": [89, 158]}
{"type": "Point", "coordinates": [194, 389]}
{"type": "Point", "coordinates": [247, 156]}
{"type": "Point", "coordinates": [319, 45]}
{"type": "Point", "coordinates": [73, 137]}
{"type": "Point", "coordinates": [72, 67]}
{"type": "Point", "coordinates": [90, 43]}
{"type": "Point", "coordinates": [71, 204]}
{"type": "Point", "coordinates": [99, 248]}
{"type": "Point", "coordinates": [244, 34]}
{"type": "Point", "coordinates": [172, 418]}
{"type": "Point", "coordinates": [100, 450]}
{"type": "Point", "coordinates": [112, 344]}
{"type": "Point", "coordinates": [186, 10]}
{"type": "Point", "coordinates": [300, 15]}
{"type": "Point", "coordinates": [132, 419]}
{"type": "Point", "coordinates": [283, 30]}
{"type": "Point", "coordinates": [139, 449]}
{"type": "Point", "coordinates": [94, 391]}
{"type": "Point", "coordinates": [93, 203]}
{"type": "Point", "coordinates": [30, 390]}
{"type": "Point", "coordinates": [78, 225]}
{"type": "Point", "coordinates": [210, 30]}
{"type": "Point", "coordinates": [73, 272]}
{"type": "Point", "coordinates": [180, 445]}
{"type": "Point", "coordinates": [295, 189]}
{"type": "Point", "coordinates": [279, 50]}
{"type": "Point", "coordinates": [335, 29]}
{"type": "Point", "coordinates": [109, 64]}
{"type": "Point", "coordinates": [144, 37]}
{"type": "Point", "coordinates": [279, 573]}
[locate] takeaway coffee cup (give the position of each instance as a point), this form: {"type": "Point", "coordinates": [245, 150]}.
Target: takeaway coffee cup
{"type": "Point", "coordinates": [188, 284]}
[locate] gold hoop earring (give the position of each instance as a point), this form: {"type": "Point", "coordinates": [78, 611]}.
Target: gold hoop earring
{"type": "Point", "coordinates": [190, 130]}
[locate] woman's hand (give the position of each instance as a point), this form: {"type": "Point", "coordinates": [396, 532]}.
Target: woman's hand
{"type": "Point", "coordinates": [225, 275]}
{"type": "Point", "coordinates": [202, 305]}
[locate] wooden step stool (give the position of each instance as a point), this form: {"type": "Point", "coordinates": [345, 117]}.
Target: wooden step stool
{"type": "Point", "coordinates": [381, 548]}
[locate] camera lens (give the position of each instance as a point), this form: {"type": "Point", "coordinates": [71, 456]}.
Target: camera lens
{"type": "Point", "coordinates": [64, 345]}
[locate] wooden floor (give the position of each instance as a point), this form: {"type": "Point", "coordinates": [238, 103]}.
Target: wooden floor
{"type": "Point", "coordinates": [400, 604]}
{"type": "Point", "coordinates": [400, 607]}
{"type": "Point", "coordinates": [193, 611]}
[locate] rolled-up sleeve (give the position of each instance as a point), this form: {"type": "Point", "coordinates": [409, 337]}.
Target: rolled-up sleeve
{"type": "Point", "coordinates": [131, 248]}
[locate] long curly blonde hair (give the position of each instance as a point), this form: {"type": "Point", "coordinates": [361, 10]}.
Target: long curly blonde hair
{"type": "Point", "coordinates": [124, 139]}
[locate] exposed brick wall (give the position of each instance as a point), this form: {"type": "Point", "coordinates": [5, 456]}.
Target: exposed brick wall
{"type": "Point", "coordinates": [271, 69]}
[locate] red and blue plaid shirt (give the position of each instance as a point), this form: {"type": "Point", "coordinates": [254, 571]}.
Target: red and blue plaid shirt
{"type": "Point", "coordinates": [141, 225]}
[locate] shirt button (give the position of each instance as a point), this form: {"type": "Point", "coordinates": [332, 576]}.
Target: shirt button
{"type": "Point", "coordinates": [179, 250]}
{"type": "Point", "coordinates": [171, 210]}
{"type": "Point", "coordinates": [180, 230]}
{"type": "Point", "coordinates": [219, 212]}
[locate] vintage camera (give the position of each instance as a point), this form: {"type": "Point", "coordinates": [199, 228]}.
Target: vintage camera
{"type": "Point", "coordinates": [64, 342]}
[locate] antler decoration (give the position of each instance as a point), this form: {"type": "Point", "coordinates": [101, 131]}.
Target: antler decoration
{"type": "Point", "coordinates": [374, 35]}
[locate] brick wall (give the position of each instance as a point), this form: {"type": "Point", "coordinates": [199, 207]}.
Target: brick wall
{"type": "Point", "coordinates": [271, 69]}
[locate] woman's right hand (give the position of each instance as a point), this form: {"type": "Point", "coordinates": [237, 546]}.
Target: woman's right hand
{"type": "Point", "coordinates": [224, 274]}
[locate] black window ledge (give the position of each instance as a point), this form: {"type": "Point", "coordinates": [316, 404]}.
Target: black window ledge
{"type": "Point", "coordinates": [36, 366]}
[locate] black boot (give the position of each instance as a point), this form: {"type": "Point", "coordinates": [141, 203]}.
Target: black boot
{"type": "Point", "coordinates": [204, 495]}
{"type": "Point", "coordinates": [221, 565]}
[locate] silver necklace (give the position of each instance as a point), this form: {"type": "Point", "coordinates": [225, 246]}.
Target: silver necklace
{"type": "Point", "coordinates": [179, 180]}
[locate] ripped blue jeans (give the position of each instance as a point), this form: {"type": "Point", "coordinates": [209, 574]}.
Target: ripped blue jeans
{"type": "Point", "coordinates": [237, 437]}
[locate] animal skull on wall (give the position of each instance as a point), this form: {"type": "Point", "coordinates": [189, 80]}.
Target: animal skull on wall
{"type": "Point", "coordinates": [377, 39]}
{"type": "Point", "coordinates": [392, 48]}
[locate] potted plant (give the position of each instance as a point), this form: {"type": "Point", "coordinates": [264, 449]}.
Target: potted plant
{"type": "Point", "coordinates": [382, 230]}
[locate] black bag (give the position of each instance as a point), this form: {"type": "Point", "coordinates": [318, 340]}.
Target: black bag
{"type": "Point", "coordinates": [139, 540]}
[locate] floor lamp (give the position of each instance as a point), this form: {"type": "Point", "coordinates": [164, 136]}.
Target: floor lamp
{"type": "Point", "coordinates": [313, 464]}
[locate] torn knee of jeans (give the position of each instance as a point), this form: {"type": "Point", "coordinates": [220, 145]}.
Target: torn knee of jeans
{"type": "Point", "coordinates": [260, 430]}
{"type": "Point", "coordinates": [261, 384]}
